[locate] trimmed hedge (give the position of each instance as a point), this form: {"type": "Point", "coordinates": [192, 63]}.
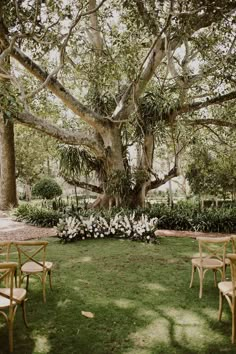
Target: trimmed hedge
{"type": "Point", "coordinates": [183, 216]}
{"type": "Point", "coordinates": [37, 216]}
{"type": "Point", "coordinates": [47, 188]}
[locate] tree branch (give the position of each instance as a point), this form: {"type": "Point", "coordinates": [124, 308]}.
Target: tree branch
{"type": "Point", "coordinates": [198, 105]}
{"type": "Point", "coordinates": [160, 181]}
{"type": "Point", "coordinates": [86, 139]}
{"type": "Point", "coordinates": [84, 185]}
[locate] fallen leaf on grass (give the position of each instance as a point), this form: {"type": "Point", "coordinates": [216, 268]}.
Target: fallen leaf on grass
{"type": "Point", "coordinates": [87, 314]}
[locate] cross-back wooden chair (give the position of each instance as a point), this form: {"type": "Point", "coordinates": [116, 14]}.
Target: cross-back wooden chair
{"type": "Point", "coordinates": [233, 244]}
{"type": "Point", "coordinates": [5, 249]}
{"type": "Point", "coordinates": [32, 261]}
{"type": "Point", "coordinates": [212, 257]}
{"type": "Point", "coordinates": [10, 297]}
{"type": "Point", "coordinates": [227, 290]}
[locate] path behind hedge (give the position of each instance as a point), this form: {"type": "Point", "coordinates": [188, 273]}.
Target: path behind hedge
{"type": "Point", "coordinates": [18, 231]}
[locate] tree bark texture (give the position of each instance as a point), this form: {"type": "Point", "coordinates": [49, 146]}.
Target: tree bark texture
{"type": "Point", "coordinates": [8, 196]}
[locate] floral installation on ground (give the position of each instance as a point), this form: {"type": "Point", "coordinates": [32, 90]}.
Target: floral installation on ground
{"type": "Point", "coordinates": [121, 226]}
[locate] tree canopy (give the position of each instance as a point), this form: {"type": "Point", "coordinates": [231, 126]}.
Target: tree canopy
{"type": "Point", "coordinates": [122, 74]}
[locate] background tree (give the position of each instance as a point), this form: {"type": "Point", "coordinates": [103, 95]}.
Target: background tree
{"type": "Point", "coordinates": [35, 154]}
{"type": "Point", "coordinates": [159, 64]}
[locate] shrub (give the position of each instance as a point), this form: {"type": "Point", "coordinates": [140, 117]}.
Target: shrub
{"type": "Point", "coordinates": [120, 226]}
{"type": "Point", "coordinates": [47, 188]}
{"type": "Point", "coordinates": [37, 216]}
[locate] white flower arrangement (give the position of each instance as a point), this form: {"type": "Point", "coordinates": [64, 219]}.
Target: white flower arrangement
{"type": "Point", "coordinates": [120, 226]}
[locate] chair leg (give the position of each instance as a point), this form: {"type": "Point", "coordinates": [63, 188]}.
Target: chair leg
{"type": "Point", "coordinates": [220, 305]}
{"type": "Point", "coordinates": [50, 278]}
{"type": "Point", "coordinates": [20, 279]}
{"type": "Point", "coordinates": [215, 277]}
{"type": "Point", "coordinates": [233, 323]}
{"type": "Point", "coordinates": [44, 287]}
{"type": "Point", "coordinates": [10, 333]}
{"type": "Point", "coordinates": [24, 313]}
{"type": "Point", "coordinates": [201, 283]}
{"type": "Point", "coordinates": [192, 276]}
{"type": "Point", "coordinates": [15, 275]}
{"type": "Point", "coordinates": [27, 282]}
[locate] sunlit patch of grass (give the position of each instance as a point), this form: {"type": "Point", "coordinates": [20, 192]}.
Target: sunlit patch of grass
{"type": "Point", "coordinates": [155, 333]}
{"type": "Point", "coordinates": [189, 327]}
{"type": "Point", "coordinates": [124, 303]}
{"type": "Point", "coordinates": [147, 313]}
{"type": "Point", "coordinates": [42, 344]}
{"type": "Point", "coordinates": [64, 303]}
{"type": "Point", "coordinates": [155, 286]}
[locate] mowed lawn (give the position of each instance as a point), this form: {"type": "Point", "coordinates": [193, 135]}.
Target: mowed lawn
{"type": "Point", "coordinates": [139, 295]}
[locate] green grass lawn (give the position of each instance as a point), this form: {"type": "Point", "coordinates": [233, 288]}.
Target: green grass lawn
{"type": "Point", "coordinates": [139, 294]}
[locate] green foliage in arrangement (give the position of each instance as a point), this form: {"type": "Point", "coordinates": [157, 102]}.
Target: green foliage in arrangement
{"type": "Point", "coordinates": [47, 188]}
{"type": "Point", "coordinates": [37, 216]}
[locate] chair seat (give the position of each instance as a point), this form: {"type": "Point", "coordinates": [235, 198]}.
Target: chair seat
{"type": "Point", "coordinates": [18, 293]}
{"type": "Point", "coordinates": [32, 267]}
{"type": "Point", "coordinates": [226, 287]}
{"type": "Point", "coordinates": [208, 263]}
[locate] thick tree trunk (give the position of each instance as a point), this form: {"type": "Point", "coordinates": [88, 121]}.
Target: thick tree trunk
{"type": "Point", "coordinates": [8, 196]}
{"type": "Point", "coordinates": [28, 193]}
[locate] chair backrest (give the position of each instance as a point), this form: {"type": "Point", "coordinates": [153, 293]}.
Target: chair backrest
{"type": "Point", "coordinates": [4, 251]}
{"type": "Point", "coordinates": [213, 247]}
{"type": "Point", "coordinates": [233, 240]}
{"type": "Point", "coordinates": [31, 251]}
{"type": "Point", "coordinates": [7, 273]}
{"type": "Point", "coordinates": [232, 258]}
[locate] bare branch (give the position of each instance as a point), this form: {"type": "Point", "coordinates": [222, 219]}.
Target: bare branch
{"type": "Point", "coordinates": [198, 105]}
{"type": "Point", "coordinates": [160, 181]}
{"type": "Point", "coordinates": [87, 139]}
{"type": "Point", "coordinates": [84, 185]}
{"type": "Point", "coordinates": [208, 121]}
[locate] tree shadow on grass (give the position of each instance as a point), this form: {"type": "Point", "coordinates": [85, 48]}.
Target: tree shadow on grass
{"type": "Point", "coordinates": [140, 299]}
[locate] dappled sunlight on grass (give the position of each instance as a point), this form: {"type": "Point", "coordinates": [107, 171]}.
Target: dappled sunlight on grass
{"type": "Point", "coordinates": [156, 332]}
{"type": "Point", "coordinates": [84, 259]}
{"type": "Point", "coordinates": [82, 280]}
{"type": "Point", "coordinates": [146, 313]}
{"type": "Point", "coordinates": [211, 314]}
{"type": "Point", "coordinates": [154, 286]}
{"type": "Point", "coordinates": [189, 328]}
{"type": "Point", "coordinates": [42, 344]}
{"type": "Point", "coordinates": [139, 295]}
{"type": "Point", "coordinates": [64, 303]}
{"type": "Point", "coordinates": [124, 303]}
{"type": "Point", "coordinates": [183, 328]}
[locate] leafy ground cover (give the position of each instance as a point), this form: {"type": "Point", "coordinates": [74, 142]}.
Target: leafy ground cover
{"type": "Point", "coordinates": [139, 295]}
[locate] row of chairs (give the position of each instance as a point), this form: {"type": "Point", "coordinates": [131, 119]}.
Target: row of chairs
{"type": "Point", "coordinates": [31, 261]}
{"type": "Point", "coordinates": [213, 256]}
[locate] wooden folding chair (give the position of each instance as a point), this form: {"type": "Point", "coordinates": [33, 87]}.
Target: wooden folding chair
{"type": "Point", "coordinates": [10, 297]}
{"type": "Point", "coordinates": [227, 290]}
{"type": "Point", "coordinates": [5, 251]}
{"type": "Point", "coordinates": [233, 243]}
{"type": "Point", "coordinates": [32, 261]}
{"type": "Point", "coordinates": [212, 256]}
